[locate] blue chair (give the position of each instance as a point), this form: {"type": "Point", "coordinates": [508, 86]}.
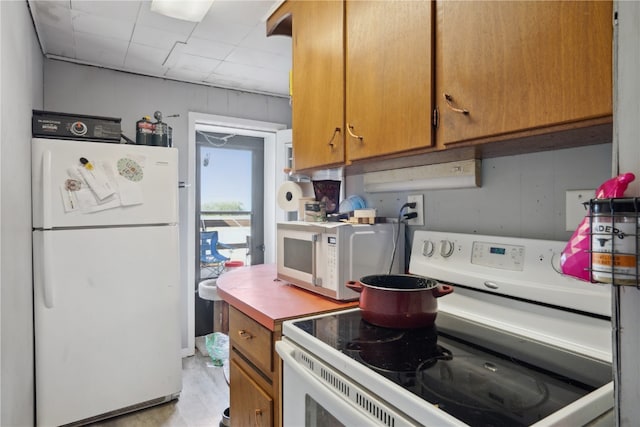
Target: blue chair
{"type": "Point", "coordinates": [210, 258]}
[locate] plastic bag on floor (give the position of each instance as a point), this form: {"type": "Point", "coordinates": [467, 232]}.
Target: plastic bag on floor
{"type": "Point", "coordinates": [218, 348]}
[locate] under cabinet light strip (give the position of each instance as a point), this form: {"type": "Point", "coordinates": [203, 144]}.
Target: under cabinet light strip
{"type": "Point", "coordinates": [462, 174]}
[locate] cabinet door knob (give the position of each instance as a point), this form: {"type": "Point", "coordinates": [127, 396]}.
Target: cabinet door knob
{"type": "Point", "coordinates": [449, 99]}
{"type": "Point", "coordinates": [258, 417]}
{"type": "Point", "coordinates": [244, 334]}
{"type": "Point", "coordinates": [349, 129]}
{"type": "Point", "coordinates": [335, 131]}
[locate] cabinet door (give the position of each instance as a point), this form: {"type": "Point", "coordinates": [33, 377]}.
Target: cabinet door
{"type": "Point", "coordinates": [318, 84]}
{"type": "Point", "coordinates": [250, 404]}
{"type": "Point", "coordinates": [518, 66]}
{"type": "Point", "coordinates": [389, 76]}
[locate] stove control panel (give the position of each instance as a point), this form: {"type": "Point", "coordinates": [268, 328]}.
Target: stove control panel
{"type": "Point", "coordinates": [528, 269]}
{"type": "Point", "coordinates": [507, 257]}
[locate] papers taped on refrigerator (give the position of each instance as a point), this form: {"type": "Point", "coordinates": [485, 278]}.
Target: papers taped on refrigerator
{"type": "Point", "coordinates": [98, 188]}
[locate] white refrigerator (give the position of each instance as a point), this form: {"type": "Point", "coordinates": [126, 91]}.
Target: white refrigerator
{"type": "Point", "coordinates": [106, 279]}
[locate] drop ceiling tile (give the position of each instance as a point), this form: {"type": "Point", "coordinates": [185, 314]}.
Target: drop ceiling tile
{"type": "Point", "coordinates": [196, 63]}
{"type": "Point", "coordinates": [154, 37]}
{"type": "Point", "coordinates": [221, 30]}
{"type": "Point", "coordinates": [63, 50]}
{"type": "Point", "coordinates": [101, 50]}
{"type": "Point", "coordinates": [186, 75]}
{"type": "Point", "coordinates": [257, 39]}
{"type": "Point", "coordinates": [241, 12]}
{"type": "Point", "coordinates": [152, 19]}
{"type": "Point", "coordinates": [146, 57]}
{"type": "Point", "coordinates": [119, 10]}
{"type": "Point", "coordinates": [278, 88]}
{"type": "Point", "coordinates": [53, 13]}
{"type": "Point", "coordinates": [258, 58]}
{"type": "Point", "coordinates": [224, 81]}
{"type": "Point", "coordinates": [208, 48]}
{"type": "Point", "coordinates": [66, 4]}
{"type": "Point", "coordinates": [250, 85]}
{"type": "Point", "coordinates": [57, 41]}
{"type": "Point", "coordinates": [227, 69]}
{"type": "Point", "coordinates": [103, 27]}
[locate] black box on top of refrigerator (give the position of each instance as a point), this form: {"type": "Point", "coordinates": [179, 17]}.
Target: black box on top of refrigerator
{"type": "Point", "coordinates": [48, 124]}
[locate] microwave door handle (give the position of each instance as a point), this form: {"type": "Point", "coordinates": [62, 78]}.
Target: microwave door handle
{"type": "Point", "coordinates": [314, 270]}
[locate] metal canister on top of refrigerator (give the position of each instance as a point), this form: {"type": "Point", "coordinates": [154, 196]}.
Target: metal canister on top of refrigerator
{"type": "Point", "coordinates": [144, 131]}
{"type": "Point", "coordinates": [160, 132]}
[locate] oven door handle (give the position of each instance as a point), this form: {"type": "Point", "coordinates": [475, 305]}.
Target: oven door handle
{"type": "Point", "coordinates": [341, 407]}
{"type": "Point", "coordinates": [287, 354]}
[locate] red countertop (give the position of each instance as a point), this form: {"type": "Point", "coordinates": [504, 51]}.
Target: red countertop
{"type": "Point", "coordinates": [257, 292]}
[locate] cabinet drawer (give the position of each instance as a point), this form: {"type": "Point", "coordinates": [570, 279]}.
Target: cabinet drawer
{"type": "Point", "coordinates": [252, 339]}
{"type": "Point", "coordinates": [251, 405]}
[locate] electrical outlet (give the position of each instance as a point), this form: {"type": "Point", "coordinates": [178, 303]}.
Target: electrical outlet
{"type": "Point", "coordinates": [419, 209]}
{"type": "Point", "coordinates": [575, 210]}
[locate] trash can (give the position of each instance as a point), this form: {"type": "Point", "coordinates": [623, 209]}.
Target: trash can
{"type": "Point", "coordinates": [226, 419]}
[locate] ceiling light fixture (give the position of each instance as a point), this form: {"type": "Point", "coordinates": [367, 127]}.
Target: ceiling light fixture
{"type": "Point", "coordinates": [187, 10]}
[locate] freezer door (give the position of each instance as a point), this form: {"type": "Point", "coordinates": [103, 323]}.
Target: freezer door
{"type": "Point", "coordinates": [85, 184]}
{"type": "Point", "coordinates": [107, 323]}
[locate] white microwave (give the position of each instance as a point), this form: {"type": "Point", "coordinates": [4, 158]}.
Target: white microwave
{"type": "Point", "coordinates": [322, 257]}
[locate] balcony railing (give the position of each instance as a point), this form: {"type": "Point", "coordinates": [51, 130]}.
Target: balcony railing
{"type": "Point", "coordinates": [234, 229]}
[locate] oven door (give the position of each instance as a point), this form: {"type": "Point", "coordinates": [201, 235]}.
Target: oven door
{"type": "Point", "coordinates": [309, 399]}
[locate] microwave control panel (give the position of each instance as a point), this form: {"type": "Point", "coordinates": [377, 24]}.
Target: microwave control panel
{"type": "Point", "coordinates": [332, 258]}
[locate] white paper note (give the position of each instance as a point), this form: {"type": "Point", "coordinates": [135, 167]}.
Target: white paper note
{"type": "Point", "coordinates": [130, 192]}
{"type": "Point", "coordinates": [98, 181]}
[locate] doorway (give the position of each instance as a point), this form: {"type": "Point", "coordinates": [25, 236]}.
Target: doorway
{"type": "Point", "coordinates": [229, 194]}
{"type": "Point", "coordinates": [275, 137]}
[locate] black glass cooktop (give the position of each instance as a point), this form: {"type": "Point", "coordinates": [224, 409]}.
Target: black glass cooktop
{"type": "Point", "coordinates": [480, 375]}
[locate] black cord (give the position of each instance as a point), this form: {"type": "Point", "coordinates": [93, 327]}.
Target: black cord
{"type": "Point", "coordinates": [407, 248]}
{"type": "Point", "coordinates": [400, 221]}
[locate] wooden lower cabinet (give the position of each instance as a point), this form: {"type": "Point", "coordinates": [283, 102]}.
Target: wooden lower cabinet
{"type": "Point", "coordinates": [251, 405]}
{"type": "Point", "coordinates": [254, 372]}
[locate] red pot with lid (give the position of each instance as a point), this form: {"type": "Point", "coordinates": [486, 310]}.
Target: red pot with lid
{"type": "Point", "coordinates": [401, 301]}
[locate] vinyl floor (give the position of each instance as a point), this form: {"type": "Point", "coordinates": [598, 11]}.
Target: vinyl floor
{"type": "Point", "coordinates": [204, 397]}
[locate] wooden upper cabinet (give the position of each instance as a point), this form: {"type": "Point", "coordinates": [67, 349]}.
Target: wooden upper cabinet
{"type": "Point", "coordinates": [521, 66]}
{"type": "Point", "coordinates": [317, 101]}
{"type": "Point", "coordinates": [370, 60]}
{"type": "Point", "coordinates": [318, 84]}
{"type": "Point", "coordinates": [389, 63]}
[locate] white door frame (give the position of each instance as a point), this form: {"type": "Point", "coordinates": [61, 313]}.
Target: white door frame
{"type": "Point", "coordinates": [274, 158]}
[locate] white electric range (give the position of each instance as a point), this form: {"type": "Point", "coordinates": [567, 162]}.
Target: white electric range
{"type": "Point", "coordinates": [516, 343]}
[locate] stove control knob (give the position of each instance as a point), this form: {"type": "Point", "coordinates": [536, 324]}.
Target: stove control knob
{"type": "Point", "coordinates": [446, 248]}
{"type": "Point", "coordinates": [427, 248]}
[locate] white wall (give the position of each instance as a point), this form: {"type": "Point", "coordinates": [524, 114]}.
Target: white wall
{"type": "Point", "coordinates": [73, 88]}
{"type": "Point", "coordinates": [20, 92]}
{"type": "Point", "coordinates": [521, 196]}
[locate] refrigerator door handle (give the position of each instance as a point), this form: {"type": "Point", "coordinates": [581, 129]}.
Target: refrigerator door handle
{"type": "Point", "coordinates": [46, 189]}
{"type": "Point", "coordinates": [47, 270]}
